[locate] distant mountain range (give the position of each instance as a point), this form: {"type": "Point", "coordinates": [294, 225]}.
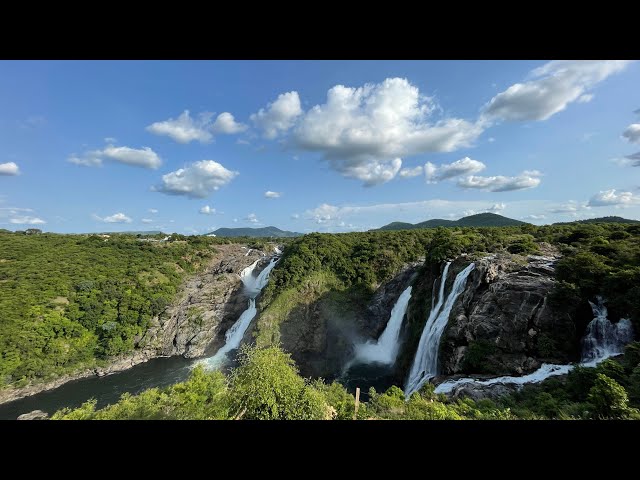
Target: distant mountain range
{"type": "Point", "coordinates": [254, 232]}
{"type": "Point", "coordinates": [479, 220]}
{"type": "Point", "coordinates": [601, 220]}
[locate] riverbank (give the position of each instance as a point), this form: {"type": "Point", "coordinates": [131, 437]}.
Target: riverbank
{"type": "Point", "coordinates": [117, 365]}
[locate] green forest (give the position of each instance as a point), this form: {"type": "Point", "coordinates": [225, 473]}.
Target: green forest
{"type": "Point", "coordinates": [69, 302]}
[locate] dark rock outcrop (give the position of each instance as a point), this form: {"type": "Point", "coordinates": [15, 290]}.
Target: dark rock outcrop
{"type": "Point", "coordinates": [503, 322]}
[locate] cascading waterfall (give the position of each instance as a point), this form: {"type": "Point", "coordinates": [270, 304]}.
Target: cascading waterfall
{"type": "Point", "coordinates": [253, 286]}
{"type": "Point", "coordinates": [603, 339]}
{"type": "Point", "coordinates": [425, 364]}
{"type": "Point", "coordinates": [385, 349]}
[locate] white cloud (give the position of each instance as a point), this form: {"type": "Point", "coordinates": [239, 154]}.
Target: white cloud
{"type": "Point", "coordinates": [552, 87]}
{"type": "Point", "coordinates": [9, 168]}
{"type": "Point", "coordinates": [632, 133]}
{"type": "Point", "coordinates": [270, 194]}
{"type": "Point", "coordinates": [110, 140]}
{"type": "Point", "coordinates": [535, 217]}
{"type": "Point", "coordinates": [235, 220]}
{"type": "Point", "coordinates": [362, 132]}
{"type": "Point", "coordinates": [497, 207]}
{"type": "Point", "coordinates": [115, 218]}
{"type": "Point", "coordinates": [153, 210]}
{"type": "Point", "coordinates": [464, 166]}
{"type": "Point", "coordinates": [252, 218]}
{"type": "Point", "coordinates": [142, 157]}
{"type": "Point", "coordinates": [242, 141]}
{"type": "Point", "coordinates": [586, 98]}
{"type": "Point", "coordinates": [185, 129]}
{"type": "Point", "coordinates": [197, 180]}
{"type": "Point", "coordinates": [371, 172]}
{"type": "Point", "coordinates": [571, 207]}
{"type": "Point", "coordinates": [410, 172]}
{"type": "Point", "coordinates": [225, 123]}
{"type": "Point", "coordinates": [146, 220]}
{"type": "Point", "coordinates": [491, 140]}
{"type": "Point", "coordinates": [279, 116]}
{"type": "Point", "coordinates": [26, 220]}
{"type": "Point", "coordinates": [500, 183]}
{"type": "Point", "coordinates": [207, 210]}
{"type": "Point", "coordinates": [325, 212]}
{"type": "Point", "coordinates": [610, 197]}
{"type": "Point", "coordinates": [295, 216]}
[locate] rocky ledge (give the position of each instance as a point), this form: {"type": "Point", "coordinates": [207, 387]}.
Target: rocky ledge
{"type": "Point", "coordinates": [503, 323]}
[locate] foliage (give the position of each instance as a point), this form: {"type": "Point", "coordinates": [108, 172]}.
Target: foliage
{"type": "Point", "coordinates": [266, 386]}
{"type": "Point", "coordinates": [69, 301]}
{"type": "Point", "coordinates": [608, 398]}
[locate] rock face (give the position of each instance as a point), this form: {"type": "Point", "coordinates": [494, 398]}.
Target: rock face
{"type": "Point", "coordinates": [321, 335]}
{"type": "Point", "coordinates": [503, 322]}
{"type": "Point", "coordinates": [209, 304]}
{"type": "Point", "coordinates": [34, 415]}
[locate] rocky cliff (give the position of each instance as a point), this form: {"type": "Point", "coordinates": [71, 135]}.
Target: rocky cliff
{"type": "Point", "coordinates": [504, 322]}
{"type": "Point", "coordinates": [209, 303]}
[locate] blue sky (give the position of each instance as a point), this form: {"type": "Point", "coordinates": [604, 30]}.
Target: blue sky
{"type": "Point", "coordinates": [314, 145]}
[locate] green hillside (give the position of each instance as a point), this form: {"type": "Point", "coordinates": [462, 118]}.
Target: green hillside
{"type": "Point", "coordinates": [254, 232]}
{"type": "Point", "coordinates": [478, 220]}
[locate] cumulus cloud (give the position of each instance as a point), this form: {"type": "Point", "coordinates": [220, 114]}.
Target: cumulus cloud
{"type": "Point", "coordinates": [279, 116]}
{"type": "Point", "coordinates": [363, 132]}
{"type": "Point", "coordinates": [535, 217]}
{"type": "Point", "coordinates": [146, 220]}
{"type": "Point", "coordinates": [552, 87]}
{"type": "Point", "coordinates": [571, 207]}
{"type": "Point", "coordinates": [464, 166]}
{"type": "Point", "coordinates": [197, 180]}
{"type": "Point", "coordinates": [185, 129]}
{"type": "Point", "coordinates": [497, 207]}
{"type": "Point", "coordinates": [632, 133]}
{"type": "Point", "coordinates": [252, 218]}
{"type": "Point", "coordinates": [153, 210]}
{"type": "Point", "coordinates": [270, 194]}
{"type": "Point", "coordinates": [410, 172]}
{"type": "Point", "coordinates": [225, 123]}
{"type": "Point", "coordinates": [295, 216]}
{"type": "Point", "coordinates": [500, 183]}
{"type": "Point", "coordinates": [610, 198]}
{"type": "Point", "coordinates": [207, 210]}
{"type": "Point", "coordinates": [9, 168]}
{"type": "Point", "coordinates": [115, 218]}
{"type": "Point", "coordinates": [142, 157]}
{"type": "Point", "coordinates": [26, 220]}
{"type": "Point", "coordinates": [325, 213]}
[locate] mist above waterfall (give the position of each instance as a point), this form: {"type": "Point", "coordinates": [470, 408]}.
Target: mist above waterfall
{"type": "Point", "coordinates": [385, 349]}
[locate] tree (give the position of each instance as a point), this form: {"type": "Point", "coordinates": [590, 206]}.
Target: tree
{"type": "Point", "coordinates": [608, 398]}
{"type": "Point", "coordinates": [267, 386]}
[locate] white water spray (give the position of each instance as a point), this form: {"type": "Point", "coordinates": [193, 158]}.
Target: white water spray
{"type": "Point", "coordinates": [425, 364]}
{"type": "Point", "coordinates": [385, 349]}
{"type": "Point", "coordinates": [602, 340]}
{"type": "Point", "coordinates": [253, 286]}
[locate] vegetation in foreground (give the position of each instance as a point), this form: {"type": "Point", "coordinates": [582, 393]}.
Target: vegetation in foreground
{"type": "Point", "coordinates": [266, 386]}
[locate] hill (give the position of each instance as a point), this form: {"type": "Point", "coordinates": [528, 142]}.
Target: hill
{"type": "Point", "coordinates": [478, 220]}
{"type": "Point", "coordinates": [601, 220]}
{"type": "Point", "coordinates": [254, 232]}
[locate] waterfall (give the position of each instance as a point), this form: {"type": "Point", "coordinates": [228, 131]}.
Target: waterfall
{"type": "Point", "coordinates": [385, 349]}
{"type": "Point", "coordinates": [425, 364]}
{"type": "Point", "coordinates": [253, 286]}
{"type": "Point", "coordinates": [602, 340]}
